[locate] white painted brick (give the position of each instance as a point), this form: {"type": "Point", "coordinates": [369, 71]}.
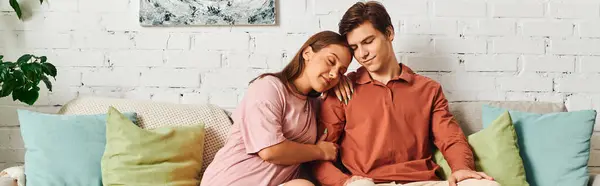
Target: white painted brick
{"type": "Point", "coordinates": [520, 96]}
{"type": "Point", "coordinates": [419, 63]}
{"type": "Point", "coordinates": [329, 22]}
{"type": "Point", "coordinates": [399, 8]}
{"type": "Point", "coordinates": [468, 82]}
{"type": "Point", "coordinates": [103, 40]}
{"type": "Point", "coordinates": [50, 21]}
{"type": "Point", "coordinates": [575, 46]}
{"type": "Point", "coordinates": [163, 77]}
{"type": "Point", "coordinates": [60, 6]}
{"type": "Point", "coordinates": [322, 7]}
{"type": "Point", "coordinates": [578, 83]}
{"type": "Point", "coordinates": [118, 76]}
{"type": "Point", "coordinates": [430, 26]}
{"type": "Point", "coordinates": [222, 41]}
{"type": "Point", "coordinates": [574, 10]}
{"type": "Point", "coordinates": [193, 59]}
{"type": "Point", "coordinates": [67, 76]}
{"type": "Point", "coordinates": [4, 137]}
{"type": "Point", "coordinates": [460, 45]}
{"type": "Point", "coordinates": [62, 95]}
{"type": "Point", "coordinates": [39, 39]}
{"type": "Point", "coordinates": [121, 22]}
{"type": "Point", "coordinates": [578, 102]}
{"type": "Point", "coordinates": [549, 63]}
{"type": "Point", "coordinates": [590, 64]}
{"type": "Point", "coordinates": [301, 24]}
{"type": "Point", "coordinates": [292, 43]}
{"type": "Point", "coordinates": [236, 60]}
{"type": "Point", "coordinates": [491, 63]}
{"type": "Point", "coordinates": [459, 8]}
{"type": "Point", "coordinates": [179, 41]}
{"type": "Point", "coordinates": [166, 97]}
{"type": "Point", "coordinates": [194, 98]}
{"type": "Point", "coordinates": [228, 78]}
{"type": "Point", "coordinates": [590, 28]}
{"type": "Point", "coordinates": [226, 98]}
{"type": "Point", "coordinates": [270, 42]}
{"type": "Point", "coordinates": [15, 140]}
{"type": "Point", "coordinates": [86, 21]}
{"type": "Point", "coordinates": [106, 6]}
{"type": "Point", "coordinates": [517, 45]}
{"type": "Point", "coordinates": [138, 58]}
{"type": "Point", "coordinates": [517, 9]}
{"type": "Point", "coordinates": [410, 43]}
{"type": "Point", "coordinates": [547, 28]}
{"type": "Point", "coordinates": [151, 40]}
{"type": "Point", "coordinates": [76, 58]}
{"type": "Point", "coordinates": [487, 27]}
{"type": "Point", "coordinates": [525, 83]}
{"type": "Point", "coordinates": [138, 94]}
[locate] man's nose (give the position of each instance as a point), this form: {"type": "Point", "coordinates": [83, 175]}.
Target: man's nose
{"type": "Point", "coordinates": [363, 53]}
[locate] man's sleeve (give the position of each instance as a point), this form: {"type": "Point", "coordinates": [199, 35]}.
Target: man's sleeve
{"type": "Point", "coordinates": [331, 117]}
{"type": "Point", "coordinates": [449, 137]}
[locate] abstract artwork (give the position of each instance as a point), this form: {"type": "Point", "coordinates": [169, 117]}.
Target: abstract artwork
{"type": "Point", "coordinates": [206, 12]}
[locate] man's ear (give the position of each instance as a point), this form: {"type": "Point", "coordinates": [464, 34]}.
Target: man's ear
{"type": "Point", "coordinates": [307, 53]}
{"type": "Point", "coordinates": [390, 31]}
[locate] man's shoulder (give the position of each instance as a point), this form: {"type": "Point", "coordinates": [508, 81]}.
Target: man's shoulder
{"type": "Point", "coordinates": [426, 80]}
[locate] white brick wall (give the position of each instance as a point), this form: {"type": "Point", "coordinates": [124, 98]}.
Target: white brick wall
{"type": "Point", "coordinates": [477, 49]}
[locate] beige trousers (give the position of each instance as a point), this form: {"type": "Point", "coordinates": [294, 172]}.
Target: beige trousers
{"type": "Point", "coordinates": [468, 182]}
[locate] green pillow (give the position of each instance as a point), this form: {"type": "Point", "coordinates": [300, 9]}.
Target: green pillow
{"type": "Point", "coordinates": [63, 149]}
{"type": "Point", "coordinates": [496, 153]}
{"type": "Point", "coordinates": [555, 147]}
{"type": "Point", "coordinates": [166, 156]}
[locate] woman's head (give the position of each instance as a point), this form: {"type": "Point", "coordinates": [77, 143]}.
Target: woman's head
{"type": "Point", "coordinates": [321, 60]}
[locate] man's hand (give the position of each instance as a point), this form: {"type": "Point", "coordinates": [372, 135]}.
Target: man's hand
{"type": "Point", "coordinates": [356, 178]}
{"type": "Point", "coordinates": [461, 175]}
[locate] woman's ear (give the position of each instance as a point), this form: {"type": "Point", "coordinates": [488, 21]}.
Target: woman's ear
{"type": "Point", "coordinates": [307, 53]}
{"type": "Point", "coordinates": [390, 30]}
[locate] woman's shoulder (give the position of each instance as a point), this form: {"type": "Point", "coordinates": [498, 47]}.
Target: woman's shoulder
{"type": "Point", "coordinates": [267, 87]}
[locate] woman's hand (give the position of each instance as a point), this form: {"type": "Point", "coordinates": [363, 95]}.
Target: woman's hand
{"type": "Point", "coordinates": [328, 150]}
{"type": "Point", "coordinates": [344, 89]}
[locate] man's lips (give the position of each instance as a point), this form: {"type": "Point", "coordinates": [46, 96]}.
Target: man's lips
{"type": "Point", "coordinates": [368, 60]}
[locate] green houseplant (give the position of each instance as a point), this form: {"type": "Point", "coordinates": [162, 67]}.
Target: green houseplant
{"type": "Point", "coordinates": [21, 78]}
{"type": "Point", "coordinates": [15, 5]}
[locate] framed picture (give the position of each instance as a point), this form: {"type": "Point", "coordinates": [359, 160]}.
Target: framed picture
{"type": "Point", "coordinates": [206, 12]}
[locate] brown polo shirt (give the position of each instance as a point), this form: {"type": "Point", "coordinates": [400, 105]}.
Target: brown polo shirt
{"type": "Point", "coordinates": [387, 132]}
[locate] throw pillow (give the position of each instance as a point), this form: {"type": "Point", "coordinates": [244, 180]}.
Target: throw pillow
{"type": "Point", "coordinates": [555, 147]}
{"type": "Point", "coordinates": [166, 156]}
{"type": "Point", "coordinates": [63, 149]}
{"type": "Point", "coordinates": [496, 153]}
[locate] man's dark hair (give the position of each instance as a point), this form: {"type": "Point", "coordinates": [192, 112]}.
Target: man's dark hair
{"type": "Point", "coordinates": [360, 13]}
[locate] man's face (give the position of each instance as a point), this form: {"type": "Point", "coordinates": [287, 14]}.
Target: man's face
{"type": "Point", "coordinates": [372, 49]}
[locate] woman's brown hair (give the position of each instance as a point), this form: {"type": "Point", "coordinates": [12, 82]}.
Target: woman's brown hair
{"type": "Point", "coordinates": [293, 70]}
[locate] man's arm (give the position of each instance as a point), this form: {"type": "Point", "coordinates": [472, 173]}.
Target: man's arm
{"type": "Point", "coordinates": [449, 137]}
{"type": "Point", "coordinates": [332, 118]}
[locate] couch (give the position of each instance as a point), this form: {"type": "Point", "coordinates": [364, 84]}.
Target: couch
{"type": "Point", "coordinates": [218, 122]}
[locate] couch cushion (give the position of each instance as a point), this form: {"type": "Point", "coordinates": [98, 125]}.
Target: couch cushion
{"type": "Point", "coordinates": [468, 114]}
{"type": "Point", "coordinates": [153, 115]}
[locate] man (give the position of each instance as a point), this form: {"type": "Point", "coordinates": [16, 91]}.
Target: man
{"type": "Point", "coordinates": [395, 118]}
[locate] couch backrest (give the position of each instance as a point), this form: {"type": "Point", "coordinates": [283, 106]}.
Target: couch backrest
{"type": "Point", "coordinates": [154, 115]}
{"type": "Point", "coordinates": [468, 114]}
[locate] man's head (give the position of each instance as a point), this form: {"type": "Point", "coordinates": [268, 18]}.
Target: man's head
{"type": "Point", "coordinates": [369, 31]}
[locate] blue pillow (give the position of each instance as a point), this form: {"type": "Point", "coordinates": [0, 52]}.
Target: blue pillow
{"type": "Point", "coordinates": [555, 147]}
{"type": "Point", "coordinates": [64, 149]}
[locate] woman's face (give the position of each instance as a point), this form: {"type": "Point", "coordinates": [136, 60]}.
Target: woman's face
{"type": "Point", "coordinates": [325, 67]}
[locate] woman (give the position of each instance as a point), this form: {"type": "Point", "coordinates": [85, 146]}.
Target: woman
{"type": "Point", "coordinates": [275, 127]}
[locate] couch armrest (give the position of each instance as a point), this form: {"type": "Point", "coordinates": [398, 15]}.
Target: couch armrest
{"type": "Point", "coordinates": [594, 180]}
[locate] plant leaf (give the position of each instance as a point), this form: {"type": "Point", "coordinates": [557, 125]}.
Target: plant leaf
{"type": "Point", "coordinates": [16, 7]}
{"type": "Point", "coordinates": [41, 1]}
{"type": "Point", "coordinates": [49, 69]}
{"type": "Point", "coordinates": [7, 88]}
{"type": "Point", "coordinates": [47, 82]}
{"type": "Point", "coordinates": [43, 59]}
{"type": "Point", "coordinates": [1, 56]}
{"type": "Point", "coordinates": [30, 96]}
{"type": "Point", "coordinates": [24, 59]}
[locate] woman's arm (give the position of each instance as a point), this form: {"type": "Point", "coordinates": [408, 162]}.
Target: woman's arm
{"type": "Point", "coordinates": [291, 153]}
